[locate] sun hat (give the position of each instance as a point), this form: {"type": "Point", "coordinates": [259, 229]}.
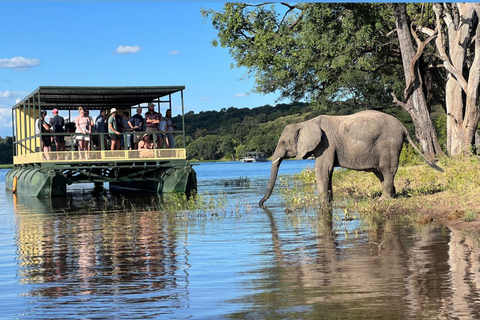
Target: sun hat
{"type": "Point", "coordinates": [113, 110]}
{"type": "Point", "coordinates": [146, 134]}
{"type": "Point", "coordinates": [151, 105]}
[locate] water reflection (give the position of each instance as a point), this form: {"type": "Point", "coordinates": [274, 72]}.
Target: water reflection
{"type": "Point", "coordinates": [122, 257]}
{"type": "Point", "coordinates": [75, 259]}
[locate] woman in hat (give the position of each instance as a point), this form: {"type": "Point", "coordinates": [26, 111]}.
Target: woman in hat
{"type": "Point", "coordinates": [145, 143]}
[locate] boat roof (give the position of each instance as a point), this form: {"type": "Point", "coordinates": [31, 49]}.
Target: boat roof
{"type": "Point", "coordinates": [70, 98]}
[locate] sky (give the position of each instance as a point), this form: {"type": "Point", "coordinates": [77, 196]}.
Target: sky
{"type": "Point", "coordinates": [118, 44]}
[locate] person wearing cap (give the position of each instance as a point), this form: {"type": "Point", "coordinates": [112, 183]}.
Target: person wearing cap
{"type": "Point", "coordinates": [57, 124]}
{"type": "Point", "coordinates": [152, 119]}
{"type": "Point", "coordinates": [113, 130]}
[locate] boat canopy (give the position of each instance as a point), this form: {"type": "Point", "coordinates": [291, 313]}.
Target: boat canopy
{"type": "Point", "coordinates": [70, 98]}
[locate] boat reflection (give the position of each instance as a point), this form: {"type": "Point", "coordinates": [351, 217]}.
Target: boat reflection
{"type": "Point", "coordinates": [135, 255]}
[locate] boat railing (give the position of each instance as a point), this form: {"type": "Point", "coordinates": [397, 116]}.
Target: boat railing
{"type": "Point", "coordinates": [29, 149]}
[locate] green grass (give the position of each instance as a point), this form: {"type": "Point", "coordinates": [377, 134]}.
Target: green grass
{"type": "Point", "coordinates": [421, 190]}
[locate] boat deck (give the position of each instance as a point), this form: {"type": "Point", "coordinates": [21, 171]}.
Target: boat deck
{"type": "Point", "coordinates": [97, 157]}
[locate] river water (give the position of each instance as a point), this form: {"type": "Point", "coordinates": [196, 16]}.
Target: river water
{"type": "Point", "coordinates": [107, 256]}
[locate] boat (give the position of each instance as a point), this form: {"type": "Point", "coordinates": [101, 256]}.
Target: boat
{"type": "Point", "coordinates": [40, 173]}
{"type": "Point", "coordinates": [254, 157]}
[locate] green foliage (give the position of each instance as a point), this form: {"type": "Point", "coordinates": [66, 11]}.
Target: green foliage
{"type": "Point", "coordinates": [322, 52]}
{"type": "Point", "coordinates": [231, 133]}
{"type": "Point", "coordinates": [409, 156]}
{"type": "Point", "coordinates": [6, 150]}
{"type": "Point", "coordinates": [470, 216]}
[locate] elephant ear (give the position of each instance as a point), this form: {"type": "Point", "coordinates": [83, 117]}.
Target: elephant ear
{"type": "Point", "coordinates": [308, 138]}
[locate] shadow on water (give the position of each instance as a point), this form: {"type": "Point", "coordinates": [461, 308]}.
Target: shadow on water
{"type": "Point", "coordinates": [91, 255]}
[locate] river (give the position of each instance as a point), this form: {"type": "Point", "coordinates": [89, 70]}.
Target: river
{"type": "Point", "coordinates": [108, 256]}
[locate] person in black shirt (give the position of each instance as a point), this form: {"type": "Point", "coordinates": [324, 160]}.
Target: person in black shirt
{"type": "Point", "coordinates": [57, 124]}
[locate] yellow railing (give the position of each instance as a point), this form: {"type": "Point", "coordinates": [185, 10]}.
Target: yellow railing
{"type": "Point", "coordinates": [101, 156]}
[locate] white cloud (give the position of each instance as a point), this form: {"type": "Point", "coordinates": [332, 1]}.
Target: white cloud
{"type": "Point", "coordinates": [240, 95]}
{"type": "Point", "coordinates": [174, 52]}
{"type": "Point", "coordinates": [12, 94]}
{"type": "Point", "coordinates": [127, 49]}
{"type": "Point", "coordinates": [19, 63]}
{"type": "Point", "coordinates": [205, 98]}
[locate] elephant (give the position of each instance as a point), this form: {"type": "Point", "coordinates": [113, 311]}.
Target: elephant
{"type": "Point", "coordinates": [365, 141]}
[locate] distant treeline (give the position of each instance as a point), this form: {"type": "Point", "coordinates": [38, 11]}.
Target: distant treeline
{"type": "Point", "coordinates": [230, 133]}
{"type": "Point", "coordinates": [6, 150]}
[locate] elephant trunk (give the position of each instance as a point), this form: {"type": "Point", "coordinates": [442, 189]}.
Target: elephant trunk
{"type": "Point", "coordinates": [273, 178]}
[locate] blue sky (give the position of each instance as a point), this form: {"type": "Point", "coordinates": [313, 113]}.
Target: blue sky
{"type": "Point", "coordinates": [118, 44]}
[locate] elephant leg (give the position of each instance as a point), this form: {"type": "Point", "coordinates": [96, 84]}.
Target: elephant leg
{"type": "Point", "coordinates": [387, 183]}
{"type": "Point", "coordinates": [323, 177]}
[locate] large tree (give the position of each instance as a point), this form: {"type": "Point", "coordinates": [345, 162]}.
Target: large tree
{"type": "Point", "coordinates": [324, 51]}
{"type": "Point", "coordinates": [458, 46]}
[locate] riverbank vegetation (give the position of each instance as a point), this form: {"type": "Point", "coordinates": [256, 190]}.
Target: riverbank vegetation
{"type": "Point", "coordinates": [423, 194]}
{"type": "Point", "coordinates": [229, 133]}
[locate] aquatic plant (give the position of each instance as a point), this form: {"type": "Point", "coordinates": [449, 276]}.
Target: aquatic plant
{"type": "Point", "coordinates": [240, 182]}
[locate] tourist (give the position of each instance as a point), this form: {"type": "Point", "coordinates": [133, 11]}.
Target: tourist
{"type": "Point", "coordinates": [145, 143]}
{"type": "Point", "coordinates": [83, 129]}
{"type": "Point", "coordinates": [152, 120]}
{"type": "Point", "coordinates": [170, 127]}
{"type": "Point", "coordinates": [162, 128]}
{"type": "Point", "coordinates": [100, 128]}
{"type": "Point", "coordinates": [137, 122]}
{"type": "Point", "coordinates": [91, 124]}
{"type": "Point", "coordinates": [128, 128]}
{"type": "Point", "coordinates": [58, 126]}
{"type": "Point", "coordinates": [46, 140]}
{"type": "Point", "coordinates": [113, 130]}
{"type": "Point", "coordinates": [144, 146]}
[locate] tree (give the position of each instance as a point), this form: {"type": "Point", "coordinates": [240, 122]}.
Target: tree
{"type": "Point", "coordinates": [415, 93]}
{"type": "Point", "coordinates": [363, 53]}
{"type": "Point", "coordinates": [458, 46]}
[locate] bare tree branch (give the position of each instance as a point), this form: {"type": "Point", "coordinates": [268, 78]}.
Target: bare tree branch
{"type": "Point", "coordinates": [441, 48]}
{"type": "Point", "coordinates": [413, 64]}
{"type": "Point", "coordinates": [398, 102]}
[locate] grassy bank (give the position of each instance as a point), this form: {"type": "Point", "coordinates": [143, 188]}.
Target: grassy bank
{"type": "Point", "coordinates": [424, 194]}
{"type": "Point", "coordinates": [6, 166]}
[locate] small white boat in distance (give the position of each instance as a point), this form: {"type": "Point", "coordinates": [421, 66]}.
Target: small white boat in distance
{"type": "Point", "coordinates": [254, 157]}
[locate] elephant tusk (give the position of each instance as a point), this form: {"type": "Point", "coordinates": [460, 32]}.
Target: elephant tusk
{"type": "Point", "coordinates": [276, 160]}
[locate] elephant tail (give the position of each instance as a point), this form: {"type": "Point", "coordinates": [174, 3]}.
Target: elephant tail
{"type": "Point", "coordinates": [430, 163]}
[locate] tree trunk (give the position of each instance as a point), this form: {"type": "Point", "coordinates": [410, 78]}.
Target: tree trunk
{"type": "Point", "coordinates": [463, 74]}
{"type": "Point", "coordinates": [416, 104]}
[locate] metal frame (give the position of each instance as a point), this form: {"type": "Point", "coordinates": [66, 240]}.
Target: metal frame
{"type": "Point", "coordinates": [24, 114]}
